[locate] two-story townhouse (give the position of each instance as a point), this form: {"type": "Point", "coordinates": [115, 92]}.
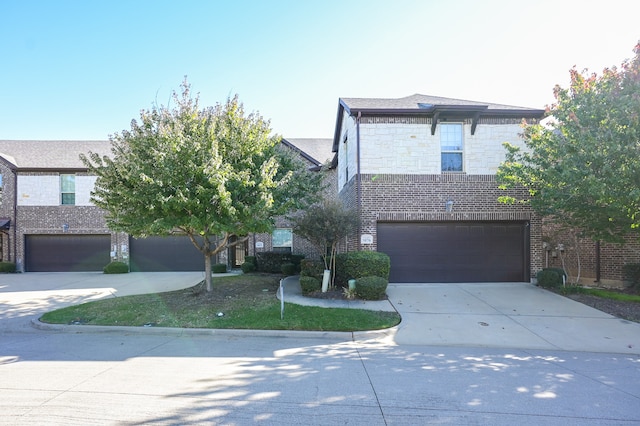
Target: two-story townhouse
{"type": "Point", "coordinates": [48, 223]}
{"type": "Point", "coordinates": [52, 223]}
{"type": "Point", "coordinates": [420, 171]}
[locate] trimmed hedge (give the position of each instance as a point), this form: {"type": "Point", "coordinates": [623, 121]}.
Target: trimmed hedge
{"type": "Point", "coordinates": [251, 259]}
{"type": "Point", "coordinates": [371, 288]}
{"type": "Point", "coordinates": [358, 264]}
{"type": "Point", "coordinates": [219, 268]}
{"type": "Point", "coordinates": [551, 277]}
{"type": "Point", "coordinates": [311, 268]}
{"type": "Point", "coordinates": [7, 267]}
{"type": "Point", "coordinates": [271, 261]}
{"type": "Point", "coordinates": [631, 274]}
{"type": "Point", "coordinates": [288, 269]}
{"type": "Point", "coordinates": [248, 267]}
{"type": "Point", "coordinates": [116, 268]}
{"type": "Point", "coordinates": [310, 284]}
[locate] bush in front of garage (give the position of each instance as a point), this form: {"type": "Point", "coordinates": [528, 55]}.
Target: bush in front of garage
{"type": "Point", "coordinates": [7, 267]}
{"type": "Point", "coordinates": [358, 264]}
{"type": "Point", "coordinates": [551, 277]}
{"type": "Point", "coordinates": [271, 261]}
{"type": "Point", "coordinates": [371, 288]}
{"type": "Point", "coordinates": [116, 268]}
{"type": "Point", "coordinates": [219, 268]}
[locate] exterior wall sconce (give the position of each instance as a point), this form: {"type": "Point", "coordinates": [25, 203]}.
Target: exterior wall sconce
{"type": "Point", "coordinates": [65, 227]}
{"type": "Point", "coordinates": [448, 207]}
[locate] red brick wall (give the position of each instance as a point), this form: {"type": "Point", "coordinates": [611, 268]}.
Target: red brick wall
{"type": "Point", "coordinates": [423, 198]}
{"type": "Point", "coordinates": [582, 252]}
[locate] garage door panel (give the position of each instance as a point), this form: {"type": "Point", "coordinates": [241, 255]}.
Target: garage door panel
{"type": "Point", "coordinates": [66, 253]}
{"type": "Point", "coordinates": [454, 252]}
{"type": "Point", "coordinates": [170, 253]}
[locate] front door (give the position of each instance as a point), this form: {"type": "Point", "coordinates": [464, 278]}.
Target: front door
{"type": "Point", "coordinates": [237, 252]}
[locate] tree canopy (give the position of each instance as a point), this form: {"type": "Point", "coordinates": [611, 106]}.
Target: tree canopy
{"type": "Point", "coordinates": [209, 173]}
{"type": "Point", "coordinates": [583, 167]}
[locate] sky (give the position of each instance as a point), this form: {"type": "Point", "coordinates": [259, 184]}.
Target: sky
{"type": "Point", "coordinates": [82, 70]}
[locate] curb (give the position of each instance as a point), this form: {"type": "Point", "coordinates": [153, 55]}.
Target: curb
{"type": "Point", "coordinates": [179, 332]}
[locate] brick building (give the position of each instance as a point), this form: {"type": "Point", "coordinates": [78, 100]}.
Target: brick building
{"type": "Point", "coordinates": [48, 223]}
{"type": "Point", "coordinates": [421, 172]}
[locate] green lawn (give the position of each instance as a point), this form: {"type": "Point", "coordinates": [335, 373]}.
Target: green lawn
{"type": "Point", "coordinates": [245, 302]}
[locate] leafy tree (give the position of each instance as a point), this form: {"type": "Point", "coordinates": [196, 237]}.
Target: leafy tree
{"type": "Point", "coordinates": [210, 173]}
{"type": "Point", "coordinates": [583, 168]}
{"type": "Point", "coordinates": [325, 224]}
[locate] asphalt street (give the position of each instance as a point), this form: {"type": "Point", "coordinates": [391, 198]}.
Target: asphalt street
{"type": "Point", "coordinates": [174, 377]}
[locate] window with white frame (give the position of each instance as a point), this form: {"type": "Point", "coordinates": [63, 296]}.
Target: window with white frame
{"type": "Point", "coordinates": [282, 240]}
{"type": "Point", "coordinates": [451, 147]}
{"type": "Point", "coordinates": [68, 189]}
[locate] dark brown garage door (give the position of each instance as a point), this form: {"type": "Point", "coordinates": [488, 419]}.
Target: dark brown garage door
{"type": "Point", "coordinates": [172, 253]}
{"type": "Point", "coordinates": [66, 253]}
{"type": "Point", "coordinates": [455, 251]}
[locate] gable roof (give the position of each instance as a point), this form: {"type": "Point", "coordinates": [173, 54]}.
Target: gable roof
{"type": "Point", "coordinates": [43, 155]}
{"type": "Point", "coordinates": [315, 150]}
{"type": "Point", "coordinates": [430, 106]}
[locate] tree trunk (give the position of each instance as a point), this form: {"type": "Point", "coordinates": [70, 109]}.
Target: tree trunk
{"type": "Point", "coordinates": [207, 272]}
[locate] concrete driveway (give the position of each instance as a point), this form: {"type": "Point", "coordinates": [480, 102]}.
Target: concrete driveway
{"type": "Point", "coordinates": [507, 315]}
{"type": "Point", "coordinates": [27, 296]}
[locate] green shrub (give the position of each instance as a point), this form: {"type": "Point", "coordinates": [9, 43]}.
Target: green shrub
{"type": "Point", "coordinates": [358, 264]}
{"type": "Point", "coordinates": [551, 277]}
{"type": "Point", "coordinates": [311, 268]}
{"type": "Point", "coordinates": [310, 284]}
{"type": "Point", "coordinates": [116, 268]}
{"type": "Point", "coordinates": [219, 268]}
{"type": "Point", "coordinates": [7, 267]}
{"type": "Point", "coordinates": [251, 259]}
{"type": "Point", "coordinates": [631, 274]}
{"type": "Point", "coordinates": [371, 288]}
{"type": "Point", "coordinates": [288, 269]}
{"type": "Point", "coordinates": [271, 261]}
{"type": "Point", "coordinates": [248, 267]}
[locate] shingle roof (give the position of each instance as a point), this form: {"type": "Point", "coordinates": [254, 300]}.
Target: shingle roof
{"type": "Point", "coordinates": [30, 154]}
{"type": "Point", "coordinates": [318, 149]}
{"type": "Point", "coordinates": [418, 102]}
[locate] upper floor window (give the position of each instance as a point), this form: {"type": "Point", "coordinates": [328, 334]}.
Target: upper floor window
{"type": "Point", "coordinates": [451, 147]}
{"type": "Point", "coordinates": [68, 189]}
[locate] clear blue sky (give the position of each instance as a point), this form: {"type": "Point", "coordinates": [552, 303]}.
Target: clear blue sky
{"type": "Point", "coordinates": [84, 69]}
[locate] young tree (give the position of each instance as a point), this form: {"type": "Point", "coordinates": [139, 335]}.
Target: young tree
{"type": "Point", "coordinates": [209, 173]}
{"type": "Point", "coordinates": [325, 224]}
{"type": "Point", "coordinates": [583, 169]}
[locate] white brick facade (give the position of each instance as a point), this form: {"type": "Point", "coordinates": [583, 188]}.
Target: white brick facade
{"type": "Point", "coordinates": [392, 148]}
{"type": "Point", "coordinates": [44, 190]}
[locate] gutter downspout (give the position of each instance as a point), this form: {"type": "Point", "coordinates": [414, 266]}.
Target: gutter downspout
{"type": "Point", "coordinates": [358, 180]}
{"type": "Point", "coordinates": [15, 222]}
